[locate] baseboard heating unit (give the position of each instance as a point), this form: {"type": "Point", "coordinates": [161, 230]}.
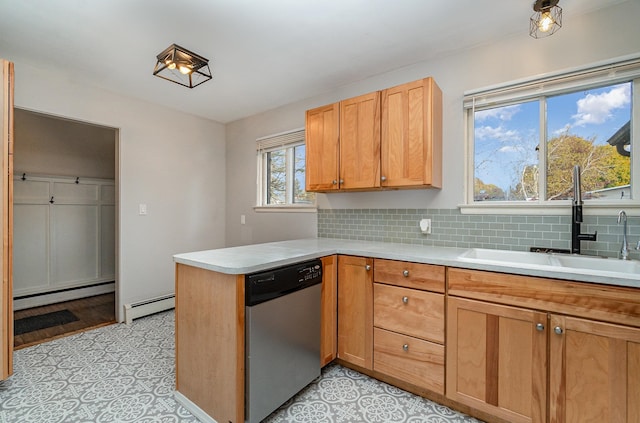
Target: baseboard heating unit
{"type": "Point", "coordinates": [146, 307]}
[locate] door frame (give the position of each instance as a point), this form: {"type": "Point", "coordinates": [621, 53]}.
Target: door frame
{"type": "Point", "coordinates": [6, 229]}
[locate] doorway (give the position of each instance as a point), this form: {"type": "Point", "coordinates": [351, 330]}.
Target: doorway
{"type": "Point", "coordinates": [65, 194]}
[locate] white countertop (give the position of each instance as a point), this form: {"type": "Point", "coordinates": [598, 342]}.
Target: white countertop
{"type": "Point", "coordinates": [257, 257]}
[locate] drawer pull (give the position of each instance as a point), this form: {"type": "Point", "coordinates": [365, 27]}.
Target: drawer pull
{"type": "Point", "coordinates": [405, 300]}
{"type": "Point", "coordinates": [405, 273]}
{"type": "Point", "coordinates": [405, 347]}
{"type": "Point", "coordinates": [539, 327]}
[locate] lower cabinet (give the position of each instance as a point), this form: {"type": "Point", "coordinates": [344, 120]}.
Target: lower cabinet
{"type": "Point", "coordinates": [355, 310]}
{"type": "Point", "coordinates": [511, 345]}
{"type": "Point", "coordinates": [496, 359]}
{"type": "Point", "coordinates": [329, 311]}
{"type": "Point", "coordinates": [408, 339]}
{"type": "Point", "coordinates": [595, 371]}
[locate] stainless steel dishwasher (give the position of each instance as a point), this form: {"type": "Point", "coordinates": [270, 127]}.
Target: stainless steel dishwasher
{"type": "Point", "coordinates": [282, 335]}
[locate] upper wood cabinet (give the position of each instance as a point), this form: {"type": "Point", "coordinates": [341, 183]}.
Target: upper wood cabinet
{"type": "Point", "coordinates": [360, 142]}
{"type": "Point", "coordinates": [321, 133]}
{"type": "Point", "coordinates": [387, 139]}
{"type": "Point", "coordinates": [411, 137]}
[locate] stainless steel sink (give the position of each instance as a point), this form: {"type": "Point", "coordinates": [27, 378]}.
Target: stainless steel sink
{"type": "Point", "coordinates": [557, 261]}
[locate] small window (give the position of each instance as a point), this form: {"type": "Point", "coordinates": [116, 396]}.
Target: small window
{"type": "Point", "coordinates": [525, 139]}
{"type": "Point", "coordinates": [281, 172]}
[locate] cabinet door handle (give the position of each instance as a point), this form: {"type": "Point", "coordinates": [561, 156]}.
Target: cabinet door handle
{"type": "Point", "coordinates": [405, 273]}
{"type": "Point", "coordinates": [334, 182]}
{"type": "Point", "coordinates": [405, 300]}
{"type": "Point", "coordinates": [558, 330]}
{"type": "Point", "coordinates": [383, 178]}
{"type": "Point", "coordinates": [367, 267]}
{"type": "Point", "coordinates": [341, 181]}
{"type": "Point", "coordinates": [539, 327]}
{"type": "Point", "coordinates": [405, 347]}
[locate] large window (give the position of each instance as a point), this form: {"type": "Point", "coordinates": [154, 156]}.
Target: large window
{"type": "Point", "coordinates": [525, 139]}
{"type": "Point", "coordinates": [281, 171]}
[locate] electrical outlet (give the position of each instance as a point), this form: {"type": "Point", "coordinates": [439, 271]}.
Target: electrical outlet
{"type": "Point", "coordinates": [425, 226]}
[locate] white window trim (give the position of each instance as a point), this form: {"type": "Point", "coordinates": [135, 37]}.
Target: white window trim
{"type": "Point", "coordinates": [610, 72]}
{"type": "Point", "coordinates": [271, 143]}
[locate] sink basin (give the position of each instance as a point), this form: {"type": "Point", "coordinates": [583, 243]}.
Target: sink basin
{"type": "Point", "coordinates": [505, 256]}
{"type": "Point", "coordinates": [597, 263]}
{"type": "Point", "coordinates": [558, 261]}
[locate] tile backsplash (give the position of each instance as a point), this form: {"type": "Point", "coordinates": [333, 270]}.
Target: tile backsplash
{"type": "Point", "coordinates": [450, 228]}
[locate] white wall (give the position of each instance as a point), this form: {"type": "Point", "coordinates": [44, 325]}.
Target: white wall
{"type": "Point", "coordinates": [46, 145]}
{"type": "Point", "coordinates": [609, 33]}
{"type": "Point", "coordinates": [171, 161]}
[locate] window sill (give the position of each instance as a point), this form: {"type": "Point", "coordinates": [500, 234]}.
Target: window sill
{"type": "Point", "coordinates": [286, 209]}
{"type": "Point", "coordinates": [632, 208]}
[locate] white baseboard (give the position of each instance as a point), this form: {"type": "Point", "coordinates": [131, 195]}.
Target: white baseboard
{"type": "Point", "coordinates": [59, 297]}
{"type": "Point", "coordinates": [144, 308]}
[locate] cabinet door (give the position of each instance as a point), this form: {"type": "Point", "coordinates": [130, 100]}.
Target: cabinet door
{"type": "Point", "coordinates": [411, 135]}
{"type": "Point", "coordinates": [360, 142]}
{"type": "Point", "coordinates": [594, 372]}
{"type": "Point", "coordinates": [496, 359]}
{"type": "Point", "coordinates": [355, 310]}
{"type": "Point", "coordinates": [321, 137]}
{"type": "Point", "coordinates": [329, 317]}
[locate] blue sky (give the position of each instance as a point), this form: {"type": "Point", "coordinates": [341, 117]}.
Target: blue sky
{"type": "Point", "coordinates": [506, 137]}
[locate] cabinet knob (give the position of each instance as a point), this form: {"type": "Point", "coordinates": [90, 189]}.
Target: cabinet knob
{"type": "Point", "coordinates": [367, 267]}
{"type": "Point", "coordinates": [405, 300]}
{"type": "Point", "coordinates": [405, 347]}
{"type": "Point", "coordinates": [334, 182]}
{"type": "Point", "coordinates": [558, 330]}
{"type": "Point", "coordinates": [405, 273]}
{"type": "Point", "coordinates": [383, 178]}
{"type": "Point", "coordinates": [342, 181]}
{"type": "Point", "coordinates": [539, 327]}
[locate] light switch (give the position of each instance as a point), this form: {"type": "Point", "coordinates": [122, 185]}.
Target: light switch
{"type": "Point", "coordinates": [142, 209]}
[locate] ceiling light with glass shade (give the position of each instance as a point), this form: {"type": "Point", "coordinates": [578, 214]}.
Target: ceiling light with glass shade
{"type": "Point", "coordinates": [184, 67]}
{"type": "Point", "coordinates": [547, 18]}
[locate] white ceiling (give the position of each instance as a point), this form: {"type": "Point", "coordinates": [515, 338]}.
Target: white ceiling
{"type": "Point", "coordinates": [263, 53]}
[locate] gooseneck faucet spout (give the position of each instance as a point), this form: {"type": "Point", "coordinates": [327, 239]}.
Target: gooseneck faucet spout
{"type": "Point", "coordinates": [576, 215]}
{"type": "Point", "coordinates": [624, 250]}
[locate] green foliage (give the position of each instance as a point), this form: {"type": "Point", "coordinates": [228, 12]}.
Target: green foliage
{"type": "Point", "coordinates": [487, 192]}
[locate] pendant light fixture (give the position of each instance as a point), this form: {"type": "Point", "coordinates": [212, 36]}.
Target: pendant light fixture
{"type": "Point", "coordinates": [547, 18]}
{"type": "Point", "coordinates": [184, 67]}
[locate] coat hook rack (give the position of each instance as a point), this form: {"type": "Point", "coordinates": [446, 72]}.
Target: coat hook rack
{"type": "Point", "coordinates": [77, 180]}
{"type": "Point", "coordinates": [24, 177]}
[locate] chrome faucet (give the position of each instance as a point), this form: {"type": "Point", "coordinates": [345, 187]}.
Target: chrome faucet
{"type": "Point", "coordinates": [576, 215]}
{"type": "Point", "coordinates": [624, 250]}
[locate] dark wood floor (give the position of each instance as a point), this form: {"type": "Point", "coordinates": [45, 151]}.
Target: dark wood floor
{"type": "Point", "coordinates": [91, 312]}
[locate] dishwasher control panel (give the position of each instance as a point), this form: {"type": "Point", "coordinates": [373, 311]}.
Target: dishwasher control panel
{"type": "Point", "coordinates": [270, 284]}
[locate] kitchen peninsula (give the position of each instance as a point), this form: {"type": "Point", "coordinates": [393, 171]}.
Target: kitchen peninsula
{"type": "Point", "coordinates": [537, 311]}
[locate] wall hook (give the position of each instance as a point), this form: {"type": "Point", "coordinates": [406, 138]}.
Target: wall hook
{"type": "Point", "coordinates": [77, 180]}
{"type": "Point", "coordinates": [24, 177]}
{"type": "Point", "coordinates": [51, 201]}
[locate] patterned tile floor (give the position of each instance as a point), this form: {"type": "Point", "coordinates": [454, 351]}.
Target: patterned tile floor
{"type": "Point", "coordinates": [123, 373]}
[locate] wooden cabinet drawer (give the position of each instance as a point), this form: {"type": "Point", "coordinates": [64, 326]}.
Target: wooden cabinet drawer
{"type": "Point", "coordinates": [410, 275]}
{"type": "Point", "coordinates": [409, 311]}
{"type": "Point", "coordinates": [412, 360]}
